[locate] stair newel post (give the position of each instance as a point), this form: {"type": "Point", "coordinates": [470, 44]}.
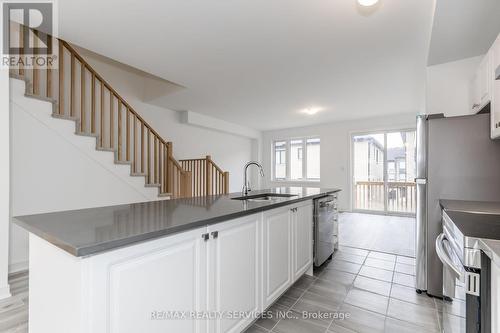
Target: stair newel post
{"type": "Point", "coordinates": [160, 165]}
{"type": "Point", "coordinates": [111, 121]}
{"type": "Point", "coordinates": [226, 182]}
{"type": "Point", "coordinates": [155, 177]}
{"type": "Point", "coordinates": [83, 121]}
{"type": "Point", "coordinates": [92, 106]}
{"type": "Point", "coordinates": [35, 70]}
{"type": "Point", "coordinates": [127, 134]}
{"type": "Point", "coordinates": [149, 156]}
{"type": "Point", "coordinates": [61, 78]}
{"type": "Point", "coordinates": [101, 126]}
{"type": "Point", "coordinates": [48, 87]}
{"type": "Point", "coordinates": [136, 156]}
{"type": "Point", "coordinates": [120, 134]}
{"type": "Point", "coordinates": [72, 86]}
{"type": "Point", "coordinates": [142, 147]}
{"type": "Point", "coordinates": [21, 46]}
{"type": "Point", "coordinates": [208, 175]}
{"type": "Point", "coordinates": [170, 187]}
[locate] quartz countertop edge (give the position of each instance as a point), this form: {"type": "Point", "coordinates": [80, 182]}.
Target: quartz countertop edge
{"type": "Point", "coordinates": [491, 247]}
{"type": "Point", "coordinates": [91, 231]}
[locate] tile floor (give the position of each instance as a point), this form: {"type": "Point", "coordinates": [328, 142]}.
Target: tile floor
{"type": "Point", "coordinates": [391, 234]}
{"type": "Point", "coordinates": [375, 289]}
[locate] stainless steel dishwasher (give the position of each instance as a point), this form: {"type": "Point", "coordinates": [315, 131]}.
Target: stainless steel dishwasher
{"type": "Point", "coordinates": [325, 228]}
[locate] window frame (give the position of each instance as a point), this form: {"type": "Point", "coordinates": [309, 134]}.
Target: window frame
{"type": "Point", "coordinates": [288, 153]}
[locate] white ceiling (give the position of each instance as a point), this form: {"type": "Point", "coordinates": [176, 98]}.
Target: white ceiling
{"type": "Point", "coordinates": [259, 62]}
{"type": "Point", "coordinates": [463, 29]}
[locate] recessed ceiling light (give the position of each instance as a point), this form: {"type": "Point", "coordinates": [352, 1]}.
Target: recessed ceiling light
{"type": "Point", "coordinates": [311, 111]}
{"type": "Point", "coordinates": [367, 3]}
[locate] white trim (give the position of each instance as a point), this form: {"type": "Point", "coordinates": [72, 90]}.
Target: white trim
{"type": "Point", "coordinates": [19, 267]}
{"type": "Point", "coordinates": [5, 292]}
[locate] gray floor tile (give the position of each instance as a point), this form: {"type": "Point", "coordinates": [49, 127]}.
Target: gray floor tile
{"type": "Point", "coordinates": [292, 325]}
{"type": "Point", "coordinates": [337, 276]}
{"type": "Point", "coordinates": [294, 293]}
{"type": "Point", "coordinates": [344, 266]}
{"type": "Point", "coordinates": [398, 326]}
{"type": "Point", "coordinates": [349, 257]}
{"type": "Point", "coordinates": [376, 273]}
{"type": "Point", "coordinates": [334, 288]}
{"type": "Point", "coordinates": [313, 302]}
{"type": "Point", "coordinates": [304, 282]}
{"type": "Point", "coordinates": [416, 314]}
{"type": "Point", "coordinates": [271, 316]}
{"type": "Point", "coordinates": [406, 260]}
{"type": "Point", "coordinates": [408, 294]}
{"type": "Point", "coordinates": [382, 256]}
{"type": "Point", "coordinates": [360, 320]}
{"type": "Point", "coordinates": [367, 300]}
{"type": "Point", "coordinates": [404, 279]}
{"type": "Point", "coordinates": [353, 250]}
{"type": "Point", "coordinates": [286, 302]}
{"type": "Point", "coordinates": [452, 323]}
{"type": "Point", "coordinates": [389, 234]}
{"type": "Point", "coordinates": [335, 328]}
{"type": "Point", "coordinates": [256, 329]}
{"type": "Point", "coordinates": [372, 285]}
{"type": "Point", "coordinates": [378, 263]}
{"type": "Point", "coordinates": [457, 307]}
{"type": "Point", "coordinates": [404, 268]}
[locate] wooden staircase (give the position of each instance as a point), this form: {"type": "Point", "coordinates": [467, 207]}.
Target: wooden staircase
{"type": "Point", "coordinates": [78, 93]}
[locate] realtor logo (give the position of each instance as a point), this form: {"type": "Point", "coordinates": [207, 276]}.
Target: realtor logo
{"type": "Point", "coordinates": [27, 30]}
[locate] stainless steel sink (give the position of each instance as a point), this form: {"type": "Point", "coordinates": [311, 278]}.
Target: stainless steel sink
{"type": "Point", "coordinates": [265, 197]}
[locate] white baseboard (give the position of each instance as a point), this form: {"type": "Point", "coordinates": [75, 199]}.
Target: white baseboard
{"type": "Point", "coordinates": [19, 267]}
{"type": "Point", "coordinates": [5, 292]}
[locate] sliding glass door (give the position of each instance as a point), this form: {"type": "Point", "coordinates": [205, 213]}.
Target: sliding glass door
{"type": "Point", "coordinates": [384, 172]}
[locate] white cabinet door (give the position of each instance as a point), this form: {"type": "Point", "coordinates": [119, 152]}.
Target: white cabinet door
{"type": "Point", "coordinates": [134, 289]}
{"type": "Point", "coordinates": [277, 254]}
{"type": "Point", "coordinates": [302, 239]}
{"type": "Point", "coordinates": [475, 94]}
{"type": "Point", "coordinates": [234, 271]}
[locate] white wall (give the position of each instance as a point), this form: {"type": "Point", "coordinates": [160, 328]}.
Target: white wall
{"type": "Point", "coordinates": [335, 149]}
{"type": "Point", "coordinates": [448, 86]}
{"type": "Point", "coordinates": [4, 182]}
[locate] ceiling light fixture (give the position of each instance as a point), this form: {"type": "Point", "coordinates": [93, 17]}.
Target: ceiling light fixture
{"type": "Point", "coordinates": [311, 111]}
{"type": "Point", "coordinates": [367, 3]}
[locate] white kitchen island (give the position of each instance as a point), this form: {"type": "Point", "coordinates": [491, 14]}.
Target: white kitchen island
{"type": "Point", "coordinates": [213, 277]}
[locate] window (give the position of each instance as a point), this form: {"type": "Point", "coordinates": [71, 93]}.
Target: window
{"type": "Point", "coordinates": [303, 156]}
{"type": "Point", "coordinates": [280, 160]}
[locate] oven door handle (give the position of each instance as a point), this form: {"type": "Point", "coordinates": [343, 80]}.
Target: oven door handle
{"type": "Point", "coordinates": [443, 255]}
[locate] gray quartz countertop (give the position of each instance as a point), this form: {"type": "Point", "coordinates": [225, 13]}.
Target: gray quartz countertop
{"type": "Point", "coordinates": [90, 231]}
{"type": "Point", "coordinates": [479, 220]}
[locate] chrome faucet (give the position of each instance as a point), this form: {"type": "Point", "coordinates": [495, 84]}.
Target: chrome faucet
{"type": "Point", "coordinates": [246, 185]}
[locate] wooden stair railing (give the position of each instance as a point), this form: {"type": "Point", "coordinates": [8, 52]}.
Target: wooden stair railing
{"type": "Point", "coordinates": [208, 178]}
{"type": "Point", "coordinates": [79, 93]}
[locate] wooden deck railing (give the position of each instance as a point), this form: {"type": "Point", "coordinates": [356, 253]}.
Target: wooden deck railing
{"type": "Point", "coordinates": [207, 177]}
{"type": "Point", "coordinates": [401, 196]}
{"type": "Point", "coordinates": [82, 95]}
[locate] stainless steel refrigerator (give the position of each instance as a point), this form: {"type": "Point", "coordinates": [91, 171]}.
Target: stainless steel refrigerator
{"type": "Point", "coordinates": [456, 159]}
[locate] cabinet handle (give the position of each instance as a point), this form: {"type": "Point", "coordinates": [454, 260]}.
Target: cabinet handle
{"type": "Point", "coordinates": [475, 105]}
{"type": "Point", "coordinates": [293, 209]}
{"type": "Point", "coordinates": [215, 234]}
{"type": "Point", "coordinates": [205, 237]}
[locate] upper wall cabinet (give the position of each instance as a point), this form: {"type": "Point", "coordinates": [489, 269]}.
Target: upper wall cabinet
{"type": "Point", "coordinates": [485, 89]}
{"type": "Point", "coordinates": [495, 98]}
{"type": "Point", "coordinates": [481, 85]}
